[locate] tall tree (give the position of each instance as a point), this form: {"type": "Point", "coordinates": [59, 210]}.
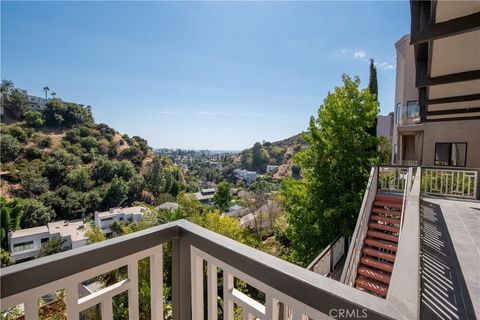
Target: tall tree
{"type": "Point", "coordinates": [46, 89]}
{"type": "Point", "coordinates": [6, 86]}
{"type": "Point", "coordinates": [373, 87]}
{"type": "Point", "coordinates": [53, 94]}
{"type": "Point", "coordinates": [335, 167]}
{"type": "Point", "coordinates": [222, 196]}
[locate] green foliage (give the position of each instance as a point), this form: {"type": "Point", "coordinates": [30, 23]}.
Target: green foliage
{"type": "Point", "coordinates": [6, 258]}
{"type": "Point", "coordinates": [79, 179]}
{"type": "Point", "coordinates": [19, 133]}
{"type": "Point", "coordinates": [52, 246]}
{"type": "Point", "coordinates": [385, 148]}
{"type": "Point", "coordinates": [223, 197]}
{"type": "Point", "coordinates": [125, 170]}
{"type": "Point", "coordinates": [94, 235]}
{"type": "Point", "coordinates": [10, 148]}
{"type": "Point", "coordinates": [34, 119]}
{"type": "Point", "coordinates": [16, 104]}
{"type": "Point", "coordinates": [35, 214]}
{"type": "Point", "coordinates": [155, 177]}
{"type": "Point", "coordinates": [104, 170]}
{"type": "Point", "coordinates": [116, 194]}
{"type": "Point", "coordinates": [59, 113]}
{"type": "Point", "coordinates": [335, 167]}
{"type": "Point", "coordinates": [32, 183]}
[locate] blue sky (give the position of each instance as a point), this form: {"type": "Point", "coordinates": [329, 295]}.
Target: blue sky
{"type": "Point", "coordinates": [216, 75]}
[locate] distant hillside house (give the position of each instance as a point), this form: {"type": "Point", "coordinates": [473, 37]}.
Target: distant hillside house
{"type": "Point", "coordinates": [272, 169]}
{"type": "Point", "coordinates": [34, 103]}
{"type": "Point", "coordinates": [26, 244]}
{"type": "Point", "coordinates": [245, 175]}
{"type": "Point", "coordinates": [205, 195]}
{"type": "Point", "coordinates": [172, 206]}
{"type": "Point", "coordinates": [103, 220]}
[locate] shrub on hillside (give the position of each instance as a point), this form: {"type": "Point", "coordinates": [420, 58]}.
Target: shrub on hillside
{"type": "Point", "coordinates": [34, 119]}
{"type": "Point", "coordinates": [10, 148]}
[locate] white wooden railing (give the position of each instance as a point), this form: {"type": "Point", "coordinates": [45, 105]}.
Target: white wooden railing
{"type": "Point", "coordinates": [392, 178]}
{"type": "Point", "coordinates": [450, 182]}
{"type": "Point", "coordinates": [352, 261]}
{"type": "Point", "coordinates": [326, 261]}
{"type": "Point", "coordinates": [198, 256]}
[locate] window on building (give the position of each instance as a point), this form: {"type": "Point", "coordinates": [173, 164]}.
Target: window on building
{"type": "Point", "coordinates": [106, 219]}
{"type": "Point", "coordinates": [451, 154]}
{"type": "Point", "coordinates": [44, 240]}
{"type": "Point", "coordinates": [412, 109]}
{"type": "Point", "coordinates": [22, 246]}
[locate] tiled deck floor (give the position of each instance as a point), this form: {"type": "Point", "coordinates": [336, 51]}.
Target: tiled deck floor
{"type": "Point", "coordinates": [450, 241]}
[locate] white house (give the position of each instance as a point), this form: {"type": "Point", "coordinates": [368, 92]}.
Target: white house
{"type": "Point", "coordinates": [172, 206]}
{"type": "Point", "coordinates": [103, 220]}
{"type": "Point", "coordinates": [205, 195]}
{"type": "Point", "coordinates": [25, 244]}
{"type": "Point", "coordinates": [272, 169]}
{"type": "Point", "coordinates": [247, 176]}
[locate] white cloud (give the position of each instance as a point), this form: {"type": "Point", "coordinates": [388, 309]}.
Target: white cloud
{"type": "Point", "coordinates": [386, 66]}
{"type": "Point", "coordinates": [165, 112]}
{"type": "Point", "coordinates": [359, 54]}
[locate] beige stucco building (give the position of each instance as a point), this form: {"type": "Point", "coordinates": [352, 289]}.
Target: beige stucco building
{"type": "Point", "coordinates": [437, 94]}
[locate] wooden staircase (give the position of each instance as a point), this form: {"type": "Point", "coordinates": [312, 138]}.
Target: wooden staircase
{"type": "Point", "coordinates": [380, 245]}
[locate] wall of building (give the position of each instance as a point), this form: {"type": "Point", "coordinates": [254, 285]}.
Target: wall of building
{"type": "Point", "coordinates": [29, 253]}
{"type": "Point", "coordinates": [452, 131]}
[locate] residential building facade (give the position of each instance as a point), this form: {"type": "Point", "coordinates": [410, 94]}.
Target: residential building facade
{"type": "Point", "coordinates": [26, 244]}
{"type": "Point", "coordinates": [104, 219]}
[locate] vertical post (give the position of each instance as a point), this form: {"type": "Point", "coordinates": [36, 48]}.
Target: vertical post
{"type": "Point", "coordinates": [72, 302]}
{"type": "Point", "coordinates": [181, 302]}
{"type": "Point", "coordinates": [107, 310]}
{"type": "Point", "coordinates": [133, 305]}
{"type": "Point", "coordinates": [156, 284]}
{"type": "Point", "coordinates": [227, 301]}
{"type": "Point", "coordinates": [197, 285]}
{"type": "Point", "coordinates": [212, 291]}
{"type": "Point", "coordinates": [31, 309]}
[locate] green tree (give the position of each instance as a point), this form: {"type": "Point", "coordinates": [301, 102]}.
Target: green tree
{"type": "Point", "coordinates": [125, 170]}
{"type": "Point", "coordinates": [104, 170]}
{"type": "Point", "coordinates": [46, 89]}
{"type": "Point", "coordinates": [79, 179]}
{"type": "Point", "coordinates": [373, 88]}
{"type": "Point", "coordinates": [5, 222]}
{"type": "Point", "coordinates": [34, 119]}
{"type": "Point", "coordinates": [95, 235]}
{"type": "Point", "coordinates": [259, 157]}
{"type": "Point", "coordinates": [223, 197]}
{"type": "Point", "coordinates": [6, 86]}
{"type": "Point", "coordinates": [335, 167]}
{"type": "Point", "coordinates": [32, 183]}
{"type": "Point", "coordinates": [6, 258]}
{"type": "Point", "coordinates": [116, 194]}
{"type": "Point", "coordinates": [16, 103]}
{"type": "Point", "coordinates": [36, 214]}
{"type": "Point", "coordinates": [52, 246]}
{"type": "Point", "coordinates": [10, 148]}
{"type": "Point", "coordinates": [155, 177]}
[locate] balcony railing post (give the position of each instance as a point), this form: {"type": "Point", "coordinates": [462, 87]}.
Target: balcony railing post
{"type": "Point", "coordinates": [181, 294]}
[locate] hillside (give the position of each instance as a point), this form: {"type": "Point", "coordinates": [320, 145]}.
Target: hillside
{"type": "Point", "coordinates": [59, 164]}
{"type": "Point", "coordinates": [271, 153]}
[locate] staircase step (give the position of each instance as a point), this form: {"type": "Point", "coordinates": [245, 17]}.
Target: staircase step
{"type": "Point", "coordinates": [387, 212]}
{"type": "Point", "coordinates": [383, 227]}
{"type": "Point", "coordinates": [379, 254]}
{"type": "Point", "coordinates": [385, 219]}
{"type": "Point", "coordinates": [387, 204]}
{"type": "Point", "coordinates": [379, 244]}
{"type": "Point", "coordinates": [374, 274]}
{"type": "Point", "coordinates": [381, 235]}
{"type": "Point", "coordinates": [372, 286]}
{"type": "Point", "coordinates": [390, 199]}
{"type": "Point", "coordinates": [377, 264]}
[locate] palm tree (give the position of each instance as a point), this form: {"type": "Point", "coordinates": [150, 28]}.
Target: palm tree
{"type": "Point", "coordinates": [53, 94]}
{"type": "Point", "coordinates": [6, 85]}
{"type": "Point", "coordinates": [46, 89]}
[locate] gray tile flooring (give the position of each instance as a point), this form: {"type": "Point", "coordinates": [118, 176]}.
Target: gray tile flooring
{"type": "Point", "coordinates": [450, 246]}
